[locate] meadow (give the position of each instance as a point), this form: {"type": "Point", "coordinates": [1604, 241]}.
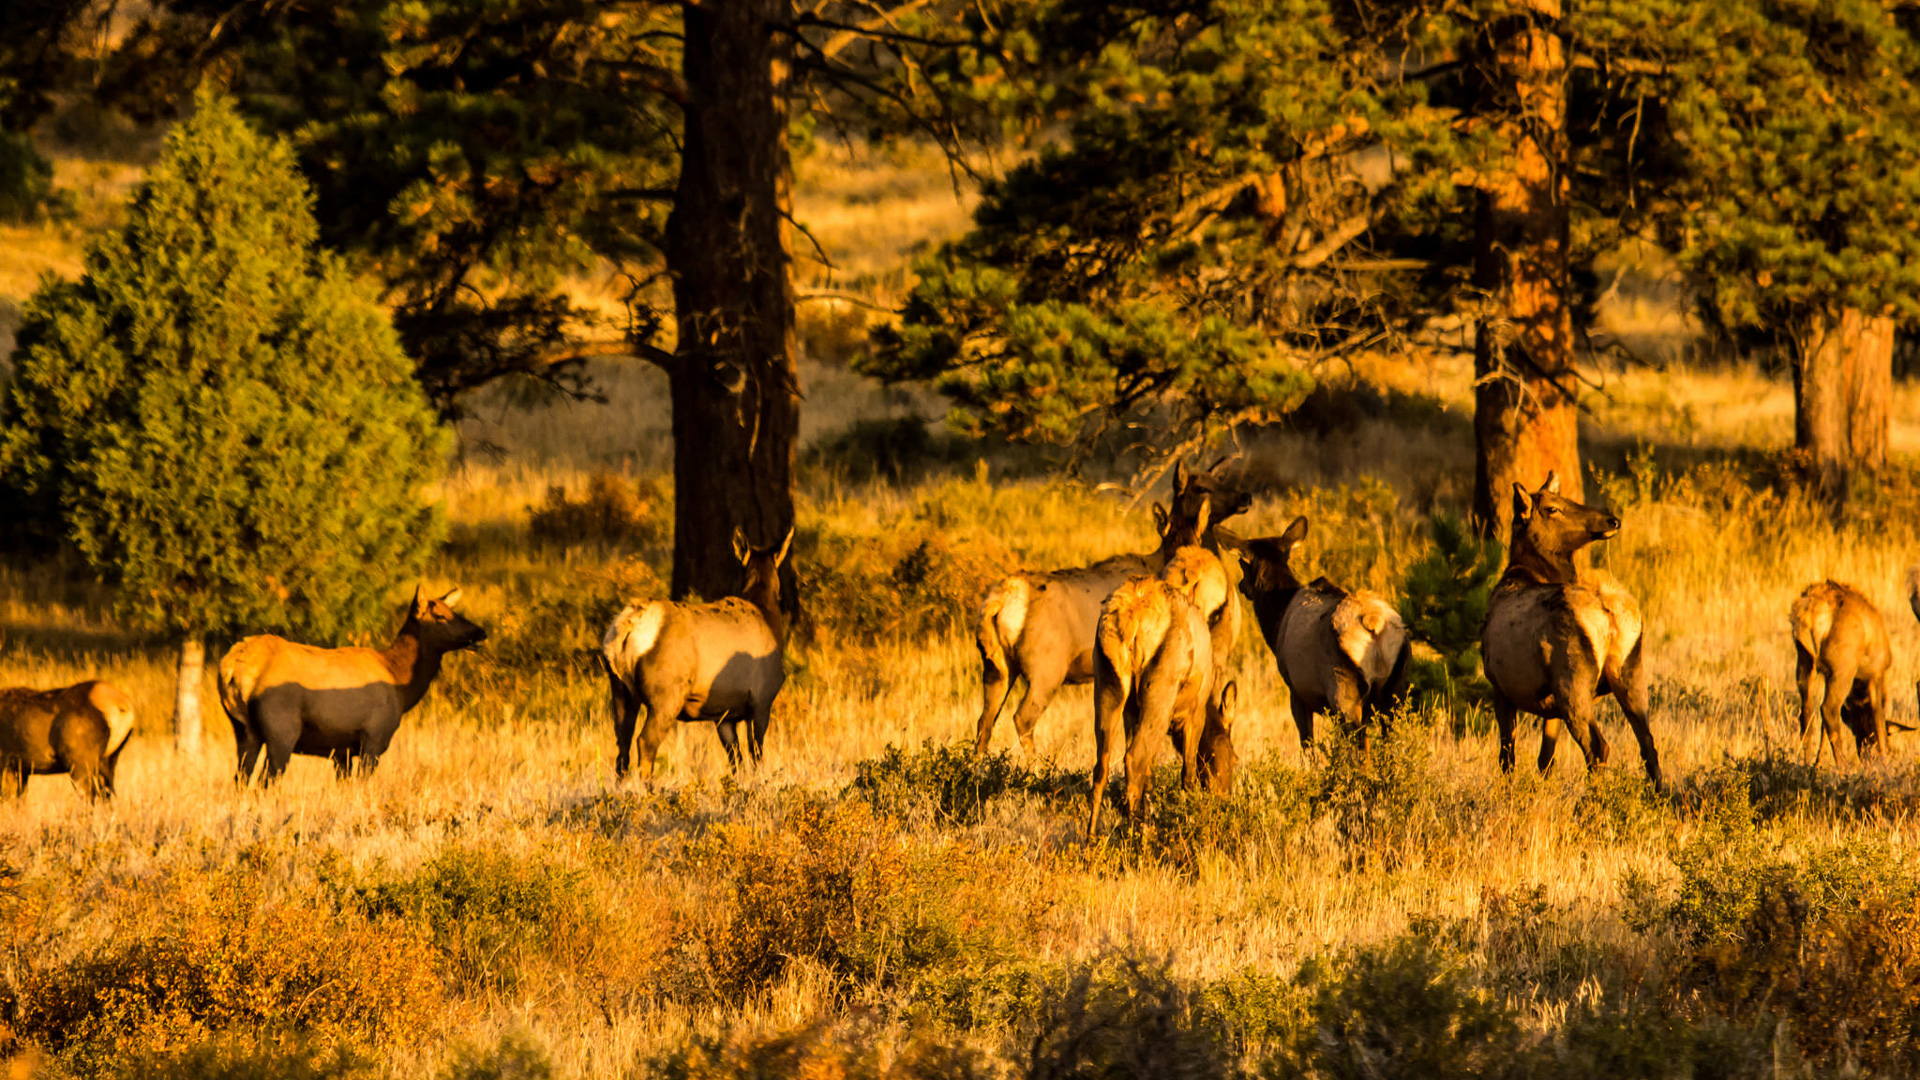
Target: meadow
{"type": "Point", "coordinates": [875, 903]}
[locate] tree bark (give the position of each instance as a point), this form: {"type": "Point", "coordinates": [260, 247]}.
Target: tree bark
{"type": "Point", "coordinates": [1842, 383]}
{"type": "Point", "coordinates": [186, 696]}
{"type": "Point", "coordinates": [1525, 422]}
{"type": "Point", "coordinates": [735, 388]}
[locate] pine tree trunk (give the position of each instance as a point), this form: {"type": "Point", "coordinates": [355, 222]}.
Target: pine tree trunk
{"type": "Point", "coordinates": [1842, 382]}
{"type": "Point", "coordinates": [735, 389]}
{"type": "Point", "coordinates": [186, 700]}
{"type": "Point", "coordinates": [1524, 420]}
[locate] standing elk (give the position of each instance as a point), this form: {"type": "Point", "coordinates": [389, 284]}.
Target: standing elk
{"type": "Point", "coordinates": [1338, 652]}
{"type": "Point", "coordinates": [343, 704]}
{"type": "Point", "coordinates": [78, 730]}
{"type": "Point", "coordinates": [1154, 671]}
{"type": "Point", "coordinates": [723, 661]}
{"type": "Point", "coordinates": [1840, 643]}
{"type": "Point", "coordinates": [1040, 626]}
{"type": "Point", "coordinates": [1555, 643]}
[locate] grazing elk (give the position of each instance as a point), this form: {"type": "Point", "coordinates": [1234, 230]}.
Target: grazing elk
{"type": "Point", "coordinates": [344, 704]}
{"type": "Point", "coordinates": [1154, 671]}
{"type": "Point", "coordinates": [1338, 652]}
{"type": "Point", "coordinates": [1040, 626]}
{"type": "Point", "coordinates": [78, 730]}
{"type": "Point", "coordinates": [1843, 655]}
{"type": "Point", "coordinates": [723, 661]}
{"type": "Point", "coordinates": [1555, 643]}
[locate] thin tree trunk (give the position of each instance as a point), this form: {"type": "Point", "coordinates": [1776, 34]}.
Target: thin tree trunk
{"type": "Point", "coordinates": [1842, 383]}
{"type": "Point", "coordinates": [1525, 423]}
{"type": "Point", "coordinates": [735, 389]}
{"type": "Point", "coordinates": [186, 700]}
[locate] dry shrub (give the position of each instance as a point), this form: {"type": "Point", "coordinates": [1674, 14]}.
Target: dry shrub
{"type": "Point", "coordinates": [837, 885]}
{"type": "Point", "coordinates": [212, 954]}
{"type": "Point", "coordinates": [246, 1058]}
{"type": "Point", "coordinates": [911, 585]}
{"type": "Point", "coordinates": [611, 510]}
{"type": "Point", "coordinates": [852, 1051]}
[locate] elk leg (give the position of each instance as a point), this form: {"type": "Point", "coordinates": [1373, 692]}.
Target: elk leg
{"type": "Point", "coordinates": [730, 738]}
{"type": "Point", "coordinates": [1877, 702]}
{"type": "Point", "coordinates": [342, 758]}
{"type": "Point", "coordinates": [1839, 685]}
{"type": "Point", "coordinates": [1159, 700]}
{"type": "Point", "coordinates": [246, 747]}
{"type": "Point", "coordinates": [625, 707]}
{"type": "Point", "coordinates": [661, 714]}
{"type": "Point", "coordinates": [1813, 691]}
{"type": "Point", "coordinates": [1549, 741]}
{"type": "Point", "coordinates": [1109, 707]}
{"type": "Point", "coordinates": [278, 754]}
{"type": "Point", "coordinates": [1043, 681]}
{"type": "Point", "coordinates": [1302, 720]}
{"type": "Point", "coordinates": [996, 686]}
{"type": "Point", "coordinates": [374, 743]}
{"type": "Point", "coordinates": [761, 720]}
{"type": "Point", "coordinates": [1504, 716]}
{"type": "Point", "coordinates": [1347, 703]}
{"type": "Point", "coordinates": [1630, 690]}
{"type": "Point", "coordinates": [1390, 696]}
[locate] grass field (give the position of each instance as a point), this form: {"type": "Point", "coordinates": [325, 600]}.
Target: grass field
{"type": "Point", "coordinates": [873, 903]}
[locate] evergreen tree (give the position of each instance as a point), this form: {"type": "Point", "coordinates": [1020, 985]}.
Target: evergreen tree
{"type": "Point", "coordinates": [222, 422]}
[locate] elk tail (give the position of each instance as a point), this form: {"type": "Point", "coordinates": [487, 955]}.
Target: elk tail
{"type": "Point", "coordinates": [1370, 635]}
{"type": "Point", "coordinates": [117, 709]}
{"type": "Point", "coordinates": [630, 638]}
{"type": "Point", "coordinates": [1003, 615]}
{"type": "Point", "coordinates": [1811, 617]}
{"type": "Point", "coordinates": [239, 669]}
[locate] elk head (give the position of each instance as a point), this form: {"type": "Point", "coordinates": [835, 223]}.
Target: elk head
{"type": "Point", "coordinates": [1548, 529]}
{"type": "Point", "coordinates": [1216, 739]}
{"type": "Point", "coordinates": [439, 628]}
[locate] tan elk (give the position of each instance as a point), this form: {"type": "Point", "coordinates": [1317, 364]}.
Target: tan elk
{"type": "Point", "coordinates": [1840, 644]}
{"type": "Point", "coordinates": [1154, 672]}
{"type": "Point", "coordinates": [1556, 641]}
{"type": "Point", "coordinates": [1338, 652]}
{"type": "Point", "coordinates": [723, 661]}
{"type": "Point", "coordinates": [1039, 627]}
{"type": "Point", "coordinates": [78, 730]}
{"type": "Point", "coordinates": [343, 704]}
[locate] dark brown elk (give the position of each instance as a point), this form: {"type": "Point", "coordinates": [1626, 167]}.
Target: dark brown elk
{"type": "Point", "coordinates": [1840, 643]}
{"type": "Point", "coordinates": [78, 730]}
{"type": "Point", "coordinates": [723, 661]}
{"type": "Point", "coordinates": [1338, 652]}
{"type": "Point", "coordinates": [344, 704]}
{"type": "Point", "coordinates": [1557, 640]}
{"type": "Point", "coordinates": [1039, 627]}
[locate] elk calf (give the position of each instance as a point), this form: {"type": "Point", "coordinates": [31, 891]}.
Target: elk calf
{"type": "Point", "coordinates": [344, 704]}
{"type": "Point", "coordinates": [723, 661]}
{"type": "Point", "coordinates": [78, 730]}
{"type": "Point", "coordinates": [1840, 642]}
{"type": "Point", "coordinates": [1039, 627]}
{"type": "Point", "coordinates": [1154, 671]}
{"type": "Point", "coordinates": [1554, 643]}
{"type": "Point", "coordinates": [1338, 652]}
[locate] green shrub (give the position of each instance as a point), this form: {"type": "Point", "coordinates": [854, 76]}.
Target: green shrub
{"type": "Point", "coordinates": [611, 510]}
{"type": "Point", "coordinates": [908, 586]}
{"type": "Point", "coordinates": [855, 1050]}
{"type": "Point", "coordinates": [26, 180]}
{"type": "Point", "coordinates": [248, 1059]}
{"type": "Point", "coordinates": [1444, 603]}
{"type": "Point", "coordinates": [1128, 1017]}
{"type": "Point", "coordinates": [899, 450]}
{"type": "Point", "coordinates": [1384, 802]}
{"type": "Point", "coordinates": [1267, 811]}
{"type": "Point", "coordinates": [516, 1056]}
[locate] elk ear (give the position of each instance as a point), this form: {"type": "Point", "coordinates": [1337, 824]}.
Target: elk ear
{"type": "Point", "coordinates": [1206, 511]}
{"type": "Point", "coordinates": [1295, 533]}
{"type": "Point", "coordinates": [1229, 698]}
{"type": "Point", "coordinates": [1552, 486]}
{"type": "Point", "coordinates": [1180, 476]}
{"type": "Point", "coordinates": [1522, 503]}
{"type": "Point", "coordinates": [1159, 519]}
{"type": "Point", "coordinates": [418, 604]}
{"type": "Point", "coordinates": [741, 549]}
{"type": "Point", "coordinates": [452, 597]}
{"type": "Point", "coordinates": [785, 545]}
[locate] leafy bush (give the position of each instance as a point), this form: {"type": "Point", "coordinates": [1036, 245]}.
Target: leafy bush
{"type": "Point", "coordinates": [910, 585]}
{"type": "Point", "coordinates": [1384, 802]}
{"type": "Point", "coordinates": [224, 959]}
{"type": "Point", "coordinates": [953, 784]}
{"type": "Point", "coordinates": [851, 1051]}
{"type": "Point", "coordinates": [1267, 811]}
{"type": "Point", "coordinates": [242, 1058]}
{"type": "Point", "coordinates": [1128, 1017]}
{"type": "Point", "coordinates": [26, 180]}
{"type": "Point", "coordinates": [516, 1056]}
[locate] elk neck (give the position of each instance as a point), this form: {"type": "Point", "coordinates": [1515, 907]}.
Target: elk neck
{"type": "Point", "coordinates": [1529, 564]}
{"type": "Point", "coordinates": [1270, 604]}
{"type": "Point", "coordinates": [763, 592]}
{"type": "Point", "coordinates": [412, 664]}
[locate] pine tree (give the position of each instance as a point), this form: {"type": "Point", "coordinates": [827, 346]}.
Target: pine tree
{"type": "Point", "coordinates": [221, 420]}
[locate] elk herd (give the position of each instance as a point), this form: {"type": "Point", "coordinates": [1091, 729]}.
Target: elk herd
{"type": "Point", "coordinates": [1152, 632]}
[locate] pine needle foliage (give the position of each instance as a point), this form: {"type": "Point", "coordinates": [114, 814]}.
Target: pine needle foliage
{"type": "Point", "coordinates": [1444, 603]}
{"type": "Point", "coordinates": [216, 416]}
